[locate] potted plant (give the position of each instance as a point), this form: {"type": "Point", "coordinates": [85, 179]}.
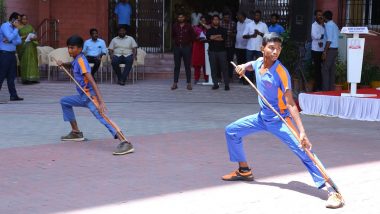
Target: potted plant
{"type": "Point", "coordinates": [340, 75]}
{"type": "Point", "coordinates": [3, 11]}
{"type": "Point", "coordinates": [367, 70]}
{"type": "Point", "coordinates": [375, 76]}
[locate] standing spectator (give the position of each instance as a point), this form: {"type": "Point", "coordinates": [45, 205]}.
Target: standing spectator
{"type": "Point", "coordinates": [230, 26]}
{"type": "Point", "coordinates": [317, 47]}
{"type": "Point", "coordinates": [94, 49]}
{"type": "Point", "coordinates": [241, 43]}
{"type": "Point", "coordinates": [274, 26]}
{"type": "Point", "coordinates": [214, 12]}
{"type": "Point", "coordinates": [123, 50]}
{"type": "Point", "coordinates": [217, 36]}
{"type": "Point", "coordinates": [9, 39]}
{"type": "Point", "coordinates": [254, 32]}
{"type": "Point", "coordinates": [198, 56]}
{"type": "Point", "coordinates": [183, 35]}
{"type": "Point", "coordinates": [196, 17]}
{"type": "Point", "coordinates": [28, 53]}
{"type": "Point", "coordinates": [330, 52]}
{"type": "Point", "coordinates": [123, 11]}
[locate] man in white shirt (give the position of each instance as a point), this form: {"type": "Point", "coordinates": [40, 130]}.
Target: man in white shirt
{"type": "Point", "coordinates": [254, 32]}
{"type": "Point", "coordinates": [240, 43]}
{"type": "Point", "coordinates": [317, 47]}
{"type": "Point", "coordinates": [123, 50]}
{"type": "Point", "coordinates": [94, 48]}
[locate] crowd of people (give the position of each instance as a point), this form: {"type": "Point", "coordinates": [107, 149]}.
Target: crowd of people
{"type": "Point", "coordinates": [18, 39]}
{"type": "Point", "coordinates": [225, 37]}
{"type": "Point", "coordinates": [243, 39]}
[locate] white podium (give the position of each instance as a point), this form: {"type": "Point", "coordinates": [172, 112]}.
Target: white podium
{"type": "Point", "coordinates": [355, 52]}
{"type": "Point", "coordinates": [208, 67]}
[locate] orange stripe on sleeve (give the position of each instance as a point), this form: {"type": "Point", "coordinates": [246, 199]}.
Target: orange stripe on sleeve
{"type": "Point", "coordinates": [82, 65]}
{"type": "Point", "coordinates": [281, 103]}
{"type": "Point", "coordinates": [283, 76]}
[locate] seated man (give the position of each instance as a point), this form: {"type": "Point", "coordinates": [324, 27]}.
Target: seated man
{"type": "Point", "coordinates": [123, 50]}
{"type": "Point", "coordinates": [94, 49]}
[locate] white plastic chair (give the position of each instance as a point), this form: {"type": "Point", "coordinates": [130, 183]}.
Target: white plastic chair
{"type": "Point", "coordinates": [58, 54]}
{"type": "Point", "coordinates": [141, 54]}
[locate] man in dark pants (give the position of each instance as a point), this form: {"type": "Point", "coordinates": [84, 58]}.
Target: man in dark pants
{"type": "Point", "coordinates": [317, 47]}
{"type": "Point", "coordinates": [330, 53]}
{"type": "Point", "coordinates": [183, 35]}
{"type": "Point", "coordinates": [241, 43]}
{"type": "Point", "coordinates": [94, 49]}
{"type": "Point", "coordinates": [230, 27]}
{"type": "Point", "coordinates": [217, 36]}
{"type": "Point", "coordinates": [123, 50]}
{"type": "Point", "coordinates": [9, 39]}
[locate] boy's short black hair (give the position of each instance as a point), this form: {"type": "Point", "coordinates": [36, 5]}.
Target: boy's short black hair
{"type": "Point", "coordinates": [121, 27]}
{"type": "Point", "coordinates": [328, 14]}
{"type": "Point", "coordinates": [215, 16]}
{"type": "Point", "coordinates": [75, 40]}
{"type": "Point", "coordinates": [271, 37]}
{"type": "Point", "coordinates": [257, 11]}
{"type": "Point", "coordinates": [93, 30]}
{"type": "Point", "coordinates": [275, 15]}
{"type": "Point", "coordinates": [317, 11]}
{"type": "Point", "coordinates": [241, 13]}
{"type": "Point", "coordinates": [14, 16]}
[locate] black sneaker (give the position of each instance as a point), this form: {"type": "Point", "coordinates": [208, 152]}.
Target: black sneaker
{"type": "Point", "coordinates": [123, 148]}
{"type": "Point", "coordinates": [16, 98]}
{"type": "Point", "coordinates": [215, 87]}
{"type": "Point", "coordinates": [226, 88]}
{"type": "Point", "coordinates": [73, 136]}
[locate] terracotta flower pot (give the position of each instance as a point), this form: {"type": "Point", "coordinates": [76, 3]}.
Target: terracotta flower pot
{"type": "Point", "coordinates": [338, 87]}
{"type": "Point", "coordinates": [375, 84]}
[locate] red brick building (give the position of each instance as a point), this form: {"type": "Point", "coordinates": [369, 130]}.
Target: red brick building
{"type": "Point", "coordinates": [78, 16]}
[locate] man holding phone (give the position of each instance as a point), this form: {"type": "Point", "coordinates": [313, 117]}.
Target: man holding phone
{"type": "Point", "coordinates": [317, 47]}
{"type": "Point", "coordinates": [9, 39]}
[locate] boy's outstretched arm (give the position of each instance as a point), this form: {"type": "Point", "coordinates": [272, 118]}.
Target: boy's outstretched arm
{"type": "Point", "coordinates": [101, 106]}
{"type": "Point", "coordinates": [291, 105]}
{"type": "Point", "coordinates": [240, 69]}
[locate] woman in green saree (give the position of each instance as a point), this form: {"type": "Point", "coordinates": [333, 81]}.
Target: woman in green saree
{"type": "Point", "coordinates": [28, 53]}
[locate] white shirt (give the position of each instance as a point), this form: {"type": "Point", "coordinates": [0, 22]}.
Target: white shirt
{"type": "Point", "coordinates": [195, 18]}
{"type": "Point", "coordinates": [240, 42]}
{"type": "Point", "coordinates": [254, 44]}
{"type": "Point", "coordinates": [317, 31]}
{"type": "Point", "coordinates": [122, 46]}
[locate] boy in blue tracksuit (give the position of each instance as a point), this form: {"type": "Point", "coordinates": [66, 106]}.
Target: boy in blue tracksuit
{"type": "Point", "coordinates": [274, 82]}
{"type": "Point", "coordinates": [82, 74]}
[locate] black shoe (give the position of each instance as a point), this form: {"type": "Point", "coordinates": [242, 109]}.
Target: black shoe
{"type": "Point", "coordinates": [226, 88]}
{"type": "Point", "coordinates": [215, 87]}
{"type": "Point", "coordinates": [16, 98]}
{"type": "Point", "coordinates": [123, 148]}
{"type": "Point", "coordinates": [73, 136]}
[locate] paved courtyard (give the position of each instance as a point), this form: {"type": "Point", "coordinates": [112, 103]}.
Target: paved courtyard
{"type": "Point", "coordinates": [180, 156]}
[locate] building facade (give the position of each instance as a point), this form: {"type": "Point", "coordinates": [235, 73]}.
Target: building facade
{"type": "Point", "coordinates": [56, 20]}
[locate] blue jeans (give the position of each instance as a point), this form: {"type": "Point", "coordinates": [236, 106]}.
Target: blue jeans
{"type": "Point", "coordinates": [255, 123]}
{"type": "Point", "coordinates": [69, 102]}
{"type": "Point", "coordinates": [116, 61]}
{"type": "Point", "coordinates": [8, 70]}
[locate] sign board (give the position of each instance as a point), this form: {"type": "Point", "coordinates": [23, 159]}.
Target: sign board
{"type": "Point", "coordinates": [355, 52]}
{"type": "Point", "coordinates": [354, 30]}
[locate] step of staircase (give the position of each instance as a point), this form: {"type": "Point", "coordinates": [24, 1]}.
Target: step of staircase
{"type": "Point", "coordinates": [159, 66]}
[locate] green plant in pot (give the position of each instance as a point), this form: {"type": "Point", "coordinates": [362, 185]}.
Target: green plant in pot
{"type": "Point", "coordinates": [375, 76]}
{"type": "Point", "coordinates": [3, 11]}
{"type": "Point", "coordinates": [340, 75]}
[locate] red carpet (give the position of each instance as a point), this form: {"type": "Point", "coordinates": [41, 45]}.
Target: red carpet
{"type": "Point", "coordinates": [360, 91]}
